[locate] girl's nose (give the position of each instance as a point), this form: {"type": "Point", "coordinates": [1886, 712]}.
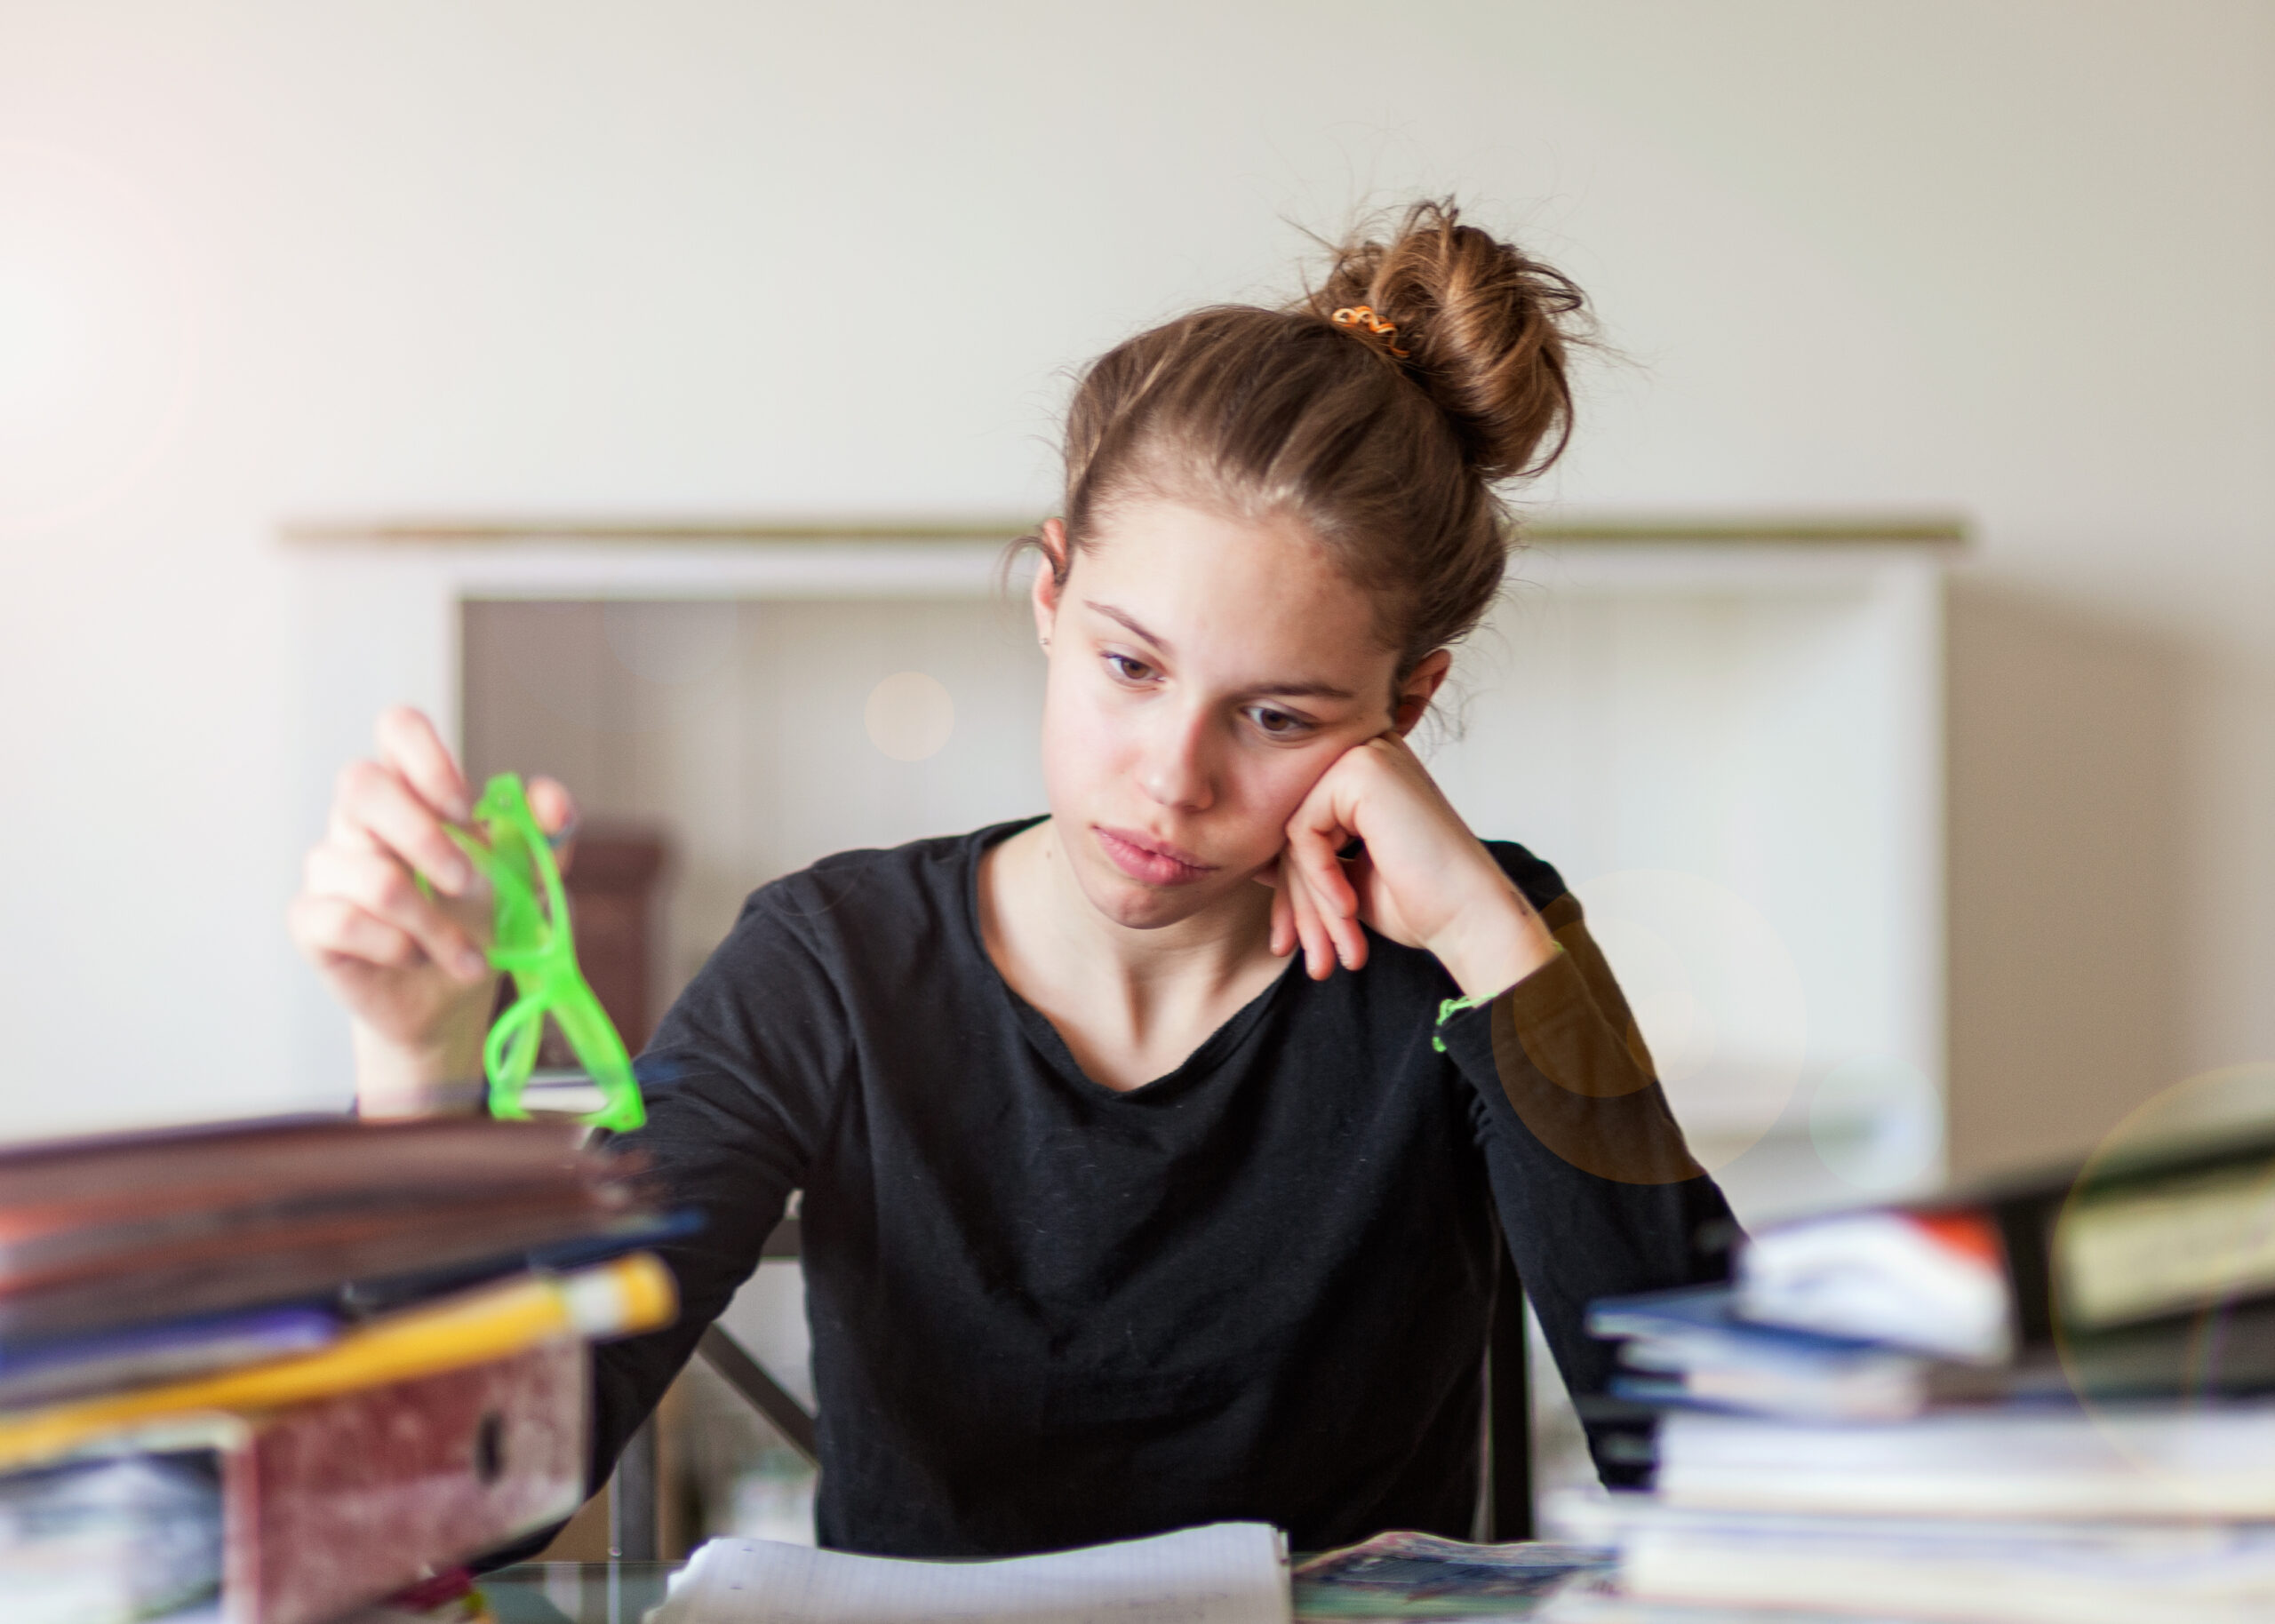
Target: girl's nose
{"type": "Point", "coordinates": [1176, 771]}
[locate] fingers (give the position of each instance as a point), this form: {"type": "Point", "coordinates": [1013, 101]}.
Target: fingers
{"type": "Point", "coordinates": [1317, 854]}
{"type": "Point", "coordinates": [1327, 893]}
{"type": "Point", "coordinates": [555, 811]}
{"type": "Point", "coordinates": [364, 900]}
{"type": "Point", "coordinates": [1319, 947]}
{"type": "Point", "coordinates": [375, 808]}
{"type": "Point", "coordinates": [553, 808]}
{"type": "Point", "coordinates": [1326, 935]}
{"type": "Point", "coordinates": [1320, 829]}
{"type": "Point", "coordinates": [329, 929]}
{"type": "Point", "coordinates": [1315, 902]}
{"type": "Point", "coordinates": [409, 744]}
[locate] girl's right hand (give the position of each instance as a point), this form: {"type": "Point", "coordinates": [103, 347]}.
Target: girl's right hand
{"type": "Point", "coordinates": [407, 967]}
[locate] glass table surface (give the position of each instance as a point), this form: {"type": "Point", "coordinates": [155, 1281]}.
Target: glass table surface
{"type": "Point", "coordinates": [577, 1592]}
{"type": "Point", "coordinates": [622, 1592]}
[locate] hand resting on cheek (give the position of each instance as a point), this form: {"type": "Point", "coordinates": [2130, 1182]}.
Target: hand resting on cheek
{"type": "Point", "coordinates": [1420, 877]}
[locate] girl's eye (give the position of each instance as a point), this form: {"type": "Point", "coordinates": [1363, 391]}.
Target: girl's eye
{"type": "Point", "coordinates": [1128, 668]}
{"type": "Point", "coordinates": [1278, 724]}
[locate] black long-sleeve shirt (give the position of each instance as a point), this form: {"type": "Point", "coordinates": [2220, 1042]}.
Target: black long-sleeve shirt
{"type": "Point", "coordinates": [1045, 1313]}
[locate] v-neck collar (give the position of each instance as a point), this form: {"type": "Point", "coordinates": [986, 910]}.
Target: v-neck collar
{"type": "Point", "coordinates": [1207, 1057]}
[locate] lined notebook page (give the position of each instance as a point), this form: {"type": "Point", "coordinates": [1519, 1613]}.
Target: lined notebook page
{"type": "Point", "coordinates": [1224, 1573]}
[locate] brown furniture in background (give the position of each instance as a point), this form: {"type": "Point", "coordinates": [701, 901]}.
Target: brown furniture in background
{"type": "Point", "coordinates": [612, 882]}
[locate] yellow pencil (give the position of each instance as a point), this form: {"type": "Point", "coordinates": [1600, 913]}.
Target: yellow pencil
{"type": "Point", "coordinates": [621, 1298]}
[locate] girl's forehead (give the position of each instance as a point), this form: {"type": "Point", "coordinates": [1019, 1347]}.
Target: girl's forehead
{"type": "Point", "coordinates": [1170, 547]}
{"type": "Point", "coordinates": [1255, 594]}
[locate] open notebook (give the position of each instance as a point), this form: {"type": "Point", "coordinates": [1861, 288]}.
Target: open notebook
{"type": "Point", "coordinates": [1222, 1573]}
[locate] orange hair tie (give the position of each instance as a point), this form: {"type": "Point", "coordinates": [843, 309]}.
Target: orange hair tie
{"type": "Point", "coordinates": [1363, 315]}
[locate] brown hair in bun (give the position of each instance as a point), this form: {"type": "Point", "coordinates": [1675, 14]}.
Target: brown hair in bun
{"type": "Point", "coordinates": [1310, 412]}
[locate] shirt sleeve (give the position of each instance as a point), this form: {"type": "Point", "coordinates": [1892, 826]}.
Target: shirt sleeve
{"type": "Point", "coordinates": [1597, 1194]}
{"type": "Point", "coordinates": [740, 1082]}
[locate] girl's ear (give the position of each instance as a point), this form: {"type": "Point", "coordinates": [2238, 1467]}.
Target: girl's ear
{"type": "Point", "coordinates": [1048, 580]}
{"type": "Point", "coordinates": [1420, 686]}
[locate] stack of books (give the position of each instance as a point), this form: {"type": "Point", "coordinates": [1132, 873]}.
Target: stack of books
{"type": "Point", "coordinates": [2051, 1400]}
{"type": "Point", "coordinates": [262, 1373]}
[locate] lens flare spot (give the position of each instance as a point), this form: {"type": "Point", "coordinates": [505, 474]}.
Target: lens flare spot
{"type": "Point", "coordinates": [909, 716]}
{"type": "Point", "coordinates": [1717, 994]}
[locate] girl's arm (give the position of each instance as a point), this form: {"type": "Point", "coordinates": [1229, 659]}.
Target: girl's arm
{"type": "Point", "coordinates": [1597, 1194]}
{"type": "Point", "coordinates": [1561, 1048]}
{"type": "Point", "coordinates": [738, 1079]}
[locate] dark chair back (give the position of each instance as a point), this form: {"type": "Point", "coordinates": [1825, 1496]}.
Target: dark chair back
{"type": "Point", "coordinates": [1505, 1494]}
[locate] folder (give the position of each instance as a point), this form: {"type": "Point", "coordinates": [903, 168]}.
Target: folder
{"type": "Point", "coordinates": [346, 1498]}
{"type": "Point", "coordinates": [410, 1445]}
{"type": "Point", "coordinates": [2154, 1233]}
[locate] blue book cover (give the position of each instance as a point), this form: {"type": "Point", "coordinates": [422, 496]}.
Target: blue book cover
{"type": "Point", "coordinates": [1704, 1316]}
{"type": "Point", "coordinates": [36, 1373]}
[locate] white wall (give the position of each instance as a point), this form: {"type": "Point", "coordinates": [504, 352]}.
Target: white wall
{"type": "Point", "coordinates": [259, 260]}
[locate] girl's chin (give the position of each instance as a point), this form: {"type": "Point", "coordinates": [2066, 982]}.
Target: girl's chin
{"type": "Point", "coordinates": [1138, 906]}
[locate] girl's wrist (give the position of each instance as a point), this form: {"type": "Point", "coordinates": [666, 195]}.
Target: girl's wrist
{"type": "Point", "coordinates": [1493, 944]}
{"type": "Point", "coordinates": [443, 1078]}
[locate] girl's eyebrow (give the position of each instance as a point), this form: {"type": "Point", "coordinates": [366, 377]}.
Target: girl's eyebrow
{"type": "Point", "coordinates": [1305, 690]}
{"type": "Point", "coordinates": [1130, 622]}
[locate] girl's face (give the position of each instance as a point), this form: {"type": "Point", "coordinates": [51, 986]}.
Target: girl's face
{"type": "Point", "coordinates": [1204, 672]}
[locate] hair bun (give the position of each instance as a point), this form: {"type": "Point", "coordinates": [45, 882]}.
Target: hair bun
{"type": "Point", "coordinates": [1485, 329]}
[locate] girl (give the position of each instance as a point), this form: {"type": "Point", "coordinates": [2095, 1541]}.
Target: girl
{"type": "Point", "coordinates": [1115, 1222]}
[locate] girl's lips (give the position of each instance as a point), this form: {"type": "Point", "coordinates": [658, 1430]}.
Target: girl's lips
{"type": "Point", "coordinates": [1149, 861]}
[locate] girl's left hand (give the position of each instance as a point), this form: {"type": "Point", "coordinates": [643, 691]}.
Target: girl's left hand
{"type": "Point", "coordinates": [1423, 879]}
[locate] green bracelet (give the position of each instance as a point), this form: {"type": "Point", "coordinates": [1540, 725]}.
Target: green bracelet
{"type": "Point", "coordinates": [1446, 1010]}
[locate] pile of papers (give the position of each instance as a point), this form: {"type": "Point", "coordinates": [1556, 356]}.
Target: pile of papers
{"type": "Point", "coordinates": [2052, 1401]}
{"type": "Point", "coordinates": [1220, 1573]}
{"type": "Point", "coordinates": [264, 1373]}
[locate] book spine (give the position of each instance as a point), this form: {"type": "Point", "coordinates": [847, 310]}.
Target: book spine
{"type": "Point", "coordinates": [2025, 1224]}
{"type": "Point", "coordinates": [337, 1502]}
